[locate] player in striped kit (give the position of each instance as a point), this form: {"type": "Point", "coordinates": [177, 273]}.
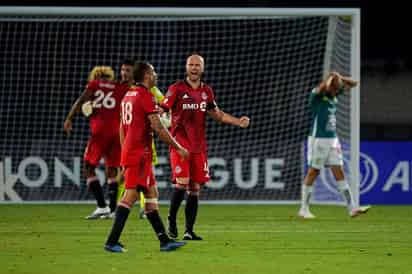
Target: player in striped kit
{"type": "Point", "coordinates": [324, 148]}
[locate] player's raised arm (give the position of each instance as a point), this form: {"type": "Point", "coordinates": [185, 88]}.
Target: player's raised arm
{"type": "Point", "coordinates": [226, 118]}
{"type": "Point", "coordinates": [165, 136]}
{"type": "Point", "coordinates": [348, 82]}
{"type": "Point", "coordinates": [345, 82]}
{"type": "Point", "coordinates": [85, 96]}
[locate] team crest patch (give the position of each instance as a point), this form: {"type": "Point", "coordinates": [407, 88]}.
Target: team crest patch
{"type": "Point", "coordinates": [178, 169]}
{"type": "Point", "coordinates": [204, 95]}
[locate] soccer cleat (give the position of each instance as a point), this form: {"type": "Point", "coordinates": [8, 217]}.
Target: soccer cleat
{"type": "Point", "coordinates": [117, 248]}
{"type": "Point", "coordinates": [98, 213]}
{"type": "Point", "coordinates": [142, 215]}
{"type": "Point", "coordinates": [360, 210]}
{"type": "Point", "coordinates": [191, 236]}
{"type": "Point", "coordinates": [171, 245]}
{"type": "Point", "coordinates": [172, 229]}
{"type": "Point", "coordinates": [306, 214]}
{"type": "Point", "coordinates": [108, 216]}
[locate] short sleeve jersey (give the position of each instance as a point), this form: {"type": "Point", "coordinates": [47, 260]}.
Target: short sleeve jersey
{"type": "Point", "coordinates": [137, 104]}
{"type": "Point", "coordinates": [188, 107]}
{"type": "Point", "coordinates": [323, 108]}
{"type": "Point", "coordinates": [106, 99]}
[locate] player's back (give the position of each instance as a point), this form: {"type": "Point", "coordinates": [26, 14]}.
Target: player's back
{"type": "Point", "coordinates": [106, 99]}
{"type": "Point", "coordinates": [138, 136]}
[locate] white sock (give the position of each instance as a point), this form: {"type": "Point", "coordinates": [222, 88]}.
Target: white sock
{"type": "Point", "coordinates": [306, 195]}
{"type": "Point", "coordinates": [346, 193]}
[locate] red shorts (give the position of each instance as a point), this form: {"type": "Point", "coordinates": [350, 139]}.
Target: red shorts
{"type": "Point", "coordinates": [140, 175]}
{"type": "Point", "coordinates": [195, 167]}
{"type": "Point", "coordinates": [103, 147]}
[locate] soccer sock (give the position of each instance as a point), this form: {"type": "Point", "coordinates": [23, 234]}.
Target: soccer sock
{"type": "Point", "coordinates": [141, 200]}
{"type": "Point", "coordinates": [96, 189]}
{"type": "Point", "coordinates": [306, 194]}
{"type": "Point", "coordinates": [175, 202]}
{"type": "Point", "coordinates": [191, 211]}
{"type": "Point", "coordinates": [113, 190]}
{"type": "Point", "coordinates": [122, 212]}
{"type": "Point", "coordinates": [158, 227]}
{"type": "Point", "coordinates": [346, 193]}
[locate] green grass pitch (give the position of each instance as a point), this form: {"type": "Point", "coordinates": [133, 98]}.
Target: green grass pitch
{"type": "Point", "coordinates": [238, 239]}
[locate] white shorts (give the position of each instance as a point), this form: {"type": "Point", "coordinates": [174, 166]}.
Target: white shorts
{"type": "Point", "coordinates": [324, 152]}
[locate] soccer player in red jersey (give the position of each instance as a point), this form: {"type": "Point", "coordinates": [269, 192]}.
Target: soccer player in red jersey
{"type": "Point", "coordinates": [189, 101]}
{"type": "Point", "coordinates": [105, 96]}
{"type": "Point", "coordinates": [139, 115]}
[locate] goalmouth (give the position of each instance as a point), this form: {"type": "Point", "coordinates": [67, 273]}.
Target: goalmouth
{"type": "Point", "coordinates": [262, 62]}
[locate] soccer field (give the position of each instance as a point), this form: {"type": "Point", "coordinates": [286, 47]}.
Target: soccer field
{"type": "Point", "coordinates": [238, 239]}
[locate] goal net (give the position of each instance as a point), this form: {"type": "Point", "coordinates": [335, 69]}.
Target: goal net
{"type": "Point", "coordinates": [262, 64]}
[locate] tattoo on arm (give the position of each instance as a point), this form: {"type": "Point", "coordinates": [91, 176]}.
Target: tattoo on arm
{"type": "Point", "coordinates": [161, 131]}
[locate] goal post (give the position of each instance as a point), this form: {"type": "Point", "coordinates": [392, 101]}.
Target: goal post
{"type": "Point", "coordinates": [261, 62]}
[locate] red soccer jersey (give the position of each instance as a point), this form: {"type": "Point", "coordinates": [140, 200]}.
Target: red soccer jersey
{"type": "Point", "coordinates": [138, 135]}
{"type": "Point", "coordinates": [189, 108]}
{"type": "Point", "coordinates": [106, 99]}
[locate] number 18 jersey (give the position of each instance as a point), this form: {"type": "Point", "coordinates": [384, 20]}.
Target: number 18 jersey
{"type": "Point", "coordinates": [137, 104]}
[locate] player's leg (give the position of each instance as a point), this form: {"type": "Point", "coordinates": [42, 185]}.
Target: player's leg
{"type": "Point", "coordinates": [94, 186]}
{"type": "Point", "coordinates": [121, 214]}
{"type": "Point", "coordinates": [343, 186]}
{"type": "Point", "coordinates": [142, 215]}
{"type": "Point", "coordinates": [335, 161]}
{"type": "Point", "coordinates": [112, 152]}
{"type": "Point", "coordinates": [346, 192]}
{"type": "Point", "coordinates": [199, 175]}
{"type": "Point", "coordinates": [191, 209]}
{"type": "Point", "coordinates": [92, 156]}
{"type": "Point", "coordinates": [307, 189]}
{"type": "Point", "coordinates": [113, 187]}
{"type": "Point", "coordinates": [180, 177]}
{"type": "Point", "coordinates": [152, 212]}
{"type": "Point", "coordinates": [176, 200]}
{"type": "Point", "coordinates": [316, 156]}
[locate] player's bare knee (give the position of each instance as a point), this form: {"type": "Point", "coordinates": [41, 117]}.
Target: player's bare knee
{"type": "Point", "coordinates": [313, 172]}
{"type": "Point", "coordinates": [180, 187]}
{"type": "Point", "coordinates": [151, 193]}
{"type": "Point", "coordinates": [311, 176]}
{"type": "Point", "coordinates": [130, 196]}
{"type": "Point", "coordinates": [89, 169]}
{"type": "Point", "coordinates": [193, 193]}
{"type": "Point", "coordinates": [338, 172]}
{"type": "Point", "coordinates": [111, 172]}
{"type": "Point", "coordinates": [193, 189]}
{"type": "Point", "coordinates": [150, 205]}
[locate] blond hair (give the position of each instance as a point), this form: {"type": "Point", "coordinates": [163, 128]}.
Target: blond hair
{"type": "Point", "coordinates": [99, 72]}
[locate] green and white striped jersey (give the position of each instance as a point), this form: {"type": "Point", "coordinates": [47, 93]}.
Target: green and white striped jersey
{"type": "Point", "coordinates": [323, 109]}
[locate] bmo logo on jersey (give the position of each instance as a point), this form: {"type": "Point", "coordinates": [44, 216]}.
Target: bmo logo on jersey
{"type": "Point", "coordinates": [194, 106]}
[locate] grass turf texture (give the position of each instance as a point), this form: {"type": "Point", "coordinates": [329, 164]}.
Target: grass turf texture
{"type": "Point", "coordinates": [238, 239]}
